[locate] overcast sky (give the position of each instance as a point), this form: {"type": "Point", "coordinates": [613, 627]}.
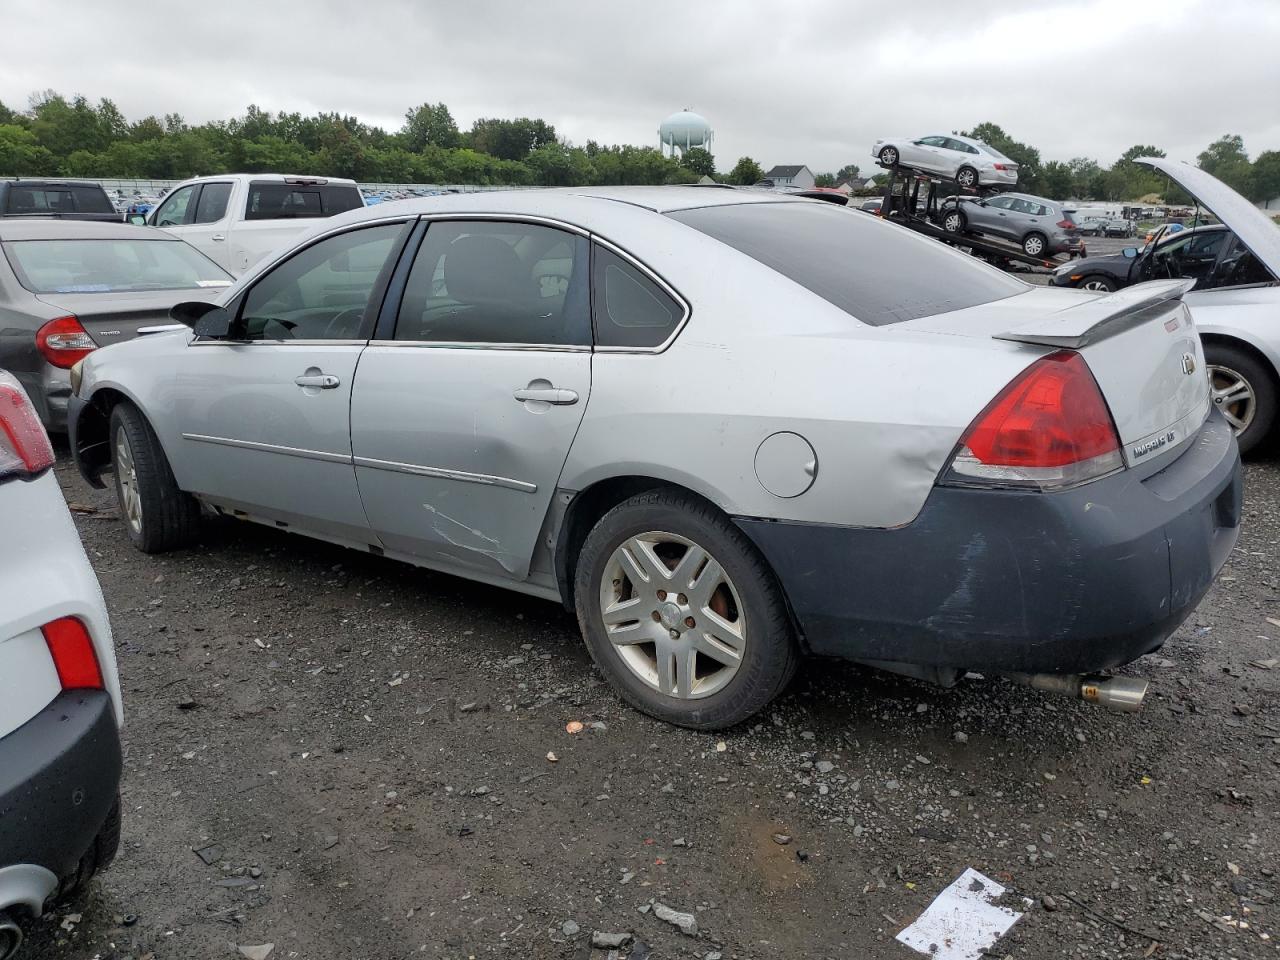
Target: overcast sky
{"type": "Point", "coordinates": [791, 81]}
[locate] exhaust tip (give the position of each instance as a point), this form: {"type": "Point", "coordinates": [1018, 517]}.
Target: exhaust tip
{"type": "Point", "coordinates": [10, 936]}
{"type": "Point", "coordinates": [1124, 694]}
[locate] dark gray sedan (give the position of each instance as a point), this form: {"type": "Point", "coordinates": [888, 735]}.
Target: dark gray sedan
{"type": "Point", "coordinates": [69, 287]}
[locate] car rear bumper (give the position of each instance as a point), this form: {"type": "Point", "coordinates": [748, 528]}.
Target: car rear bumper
{"type": "Point", "coordinates": [59, 777]}
{"type": "Point", "coordinates": [998, 580]}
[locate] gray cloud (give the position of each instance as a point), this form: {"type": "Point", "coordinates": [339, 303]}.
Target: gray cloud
{"type": "Point", "coordinates": [808, 81]}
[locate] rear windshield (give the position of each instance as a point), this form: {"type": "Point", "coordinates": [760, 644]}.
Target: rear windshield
{"type": "Point", "coordinates": [287, 201]}
{"type": "Point", "coordinates": [57, 199]}
{"type": "Point", "coordinates": [878, 272]}
{"type": "Point", "coordinates": [111, 266]}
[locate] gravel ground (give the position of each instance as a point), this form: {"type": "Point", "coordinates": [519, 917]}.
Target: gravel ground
{"type": "Point", "coordinates": [346, 757]}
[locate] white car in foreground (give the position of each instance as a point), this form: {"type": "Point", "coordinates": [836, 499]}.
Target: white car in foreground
{"type": "Point", "coordinates": [725, 426]}
{"type": "Point", "coordinates": [60, 710]}
{"type": "Point", "coordinates": [970, 163]}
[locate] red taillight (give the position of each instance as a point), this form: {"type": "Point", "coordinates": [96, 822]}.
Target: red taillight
{"type": "Point", "coordinates": [1049, 428]}
{"type": "Point", "coordinates": [1067, 224]}
{"type": "Point", "coordinates": [1000, 166]}
{"type": "Point", "coordinates": [64, 341]}
{"type": "Point", "coordinates": [24, 446]}
{"type": "Point", "coordinates": [72, 652]}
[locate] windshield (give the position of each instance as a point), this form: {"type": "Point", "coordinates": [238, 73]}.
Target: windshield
{"type": "Point", "coordinates": [111, 266]}
{"type": "Point", "coordinates": [878, 272]}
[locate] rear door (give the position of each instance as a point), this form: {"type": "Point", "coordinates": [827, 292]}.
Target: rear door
{"type": "Point", "coordinates": [467, 402]}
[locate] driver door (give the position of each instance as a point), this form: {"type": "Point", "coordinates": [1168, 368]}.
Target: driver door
{"type": "Point", "coordinates": [264, 414]}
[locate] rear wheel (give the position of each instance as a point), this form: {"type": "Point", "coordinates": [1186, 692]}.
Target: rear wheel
{"type": "Point", "coordinates": [889, 156]}
{"type": "Point", "coordinates": [158, 515]}
{"type": "Point", "coordinates": [1097, 281]}
{"type": "Point", "coordinates": [1244, 390]}
{"type": "Point", "coordinates": [953, 221]}
{"type": "Point", "coordinates": [967, 177]}
{"type": "Point", "coordinates": [681, 614]}
{"type": "Point", "coordinates": [1034, 244]}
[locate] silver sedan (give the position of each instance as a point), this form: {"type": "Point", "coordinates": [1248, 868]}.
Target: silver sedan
{"type": "Point", "coordinates": [725, 428]}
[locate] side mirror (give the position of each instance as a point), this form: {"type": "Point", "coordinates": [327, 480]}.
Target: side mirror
{"type": "Point", "coordinates": [206, 319]}
{"type": "Point", "coordinates": [138, 219]}
{"type": "Point", "coordinates": [1130, 252]}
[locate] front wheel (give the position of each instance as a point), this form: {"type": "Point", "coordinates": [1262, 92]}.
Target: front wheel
{"type": "Point", "coordinates": [1097, 282]}
{"type": "Point", "coordinates": [1033, 244]}
{"type": "Point", "coordinates": [681, 614]}
{"type": "Point", "coordinates": [953, 221]}
{"type": "Point", "coordinates": [1244, 391]}
{"type": "Point", "coordinates": [889, 156]}
{"type": "Point", "coordinates": [158, 515]}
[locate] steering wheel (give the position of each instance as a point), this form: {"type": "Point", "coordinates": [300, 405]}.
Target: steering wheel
{"type": "Point", "coordinates": [336, 324]}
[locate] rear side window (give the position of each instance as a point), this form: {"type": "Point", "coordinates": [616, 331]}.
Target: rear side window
{"type": "Point", "coordinates": [55, 200]}
{"type": "Point", "coordinates": [878, 272]}
{"type": "Point", "coordinates": [495, 282]}
{"type": "Point", "coordinates": [630, 309]}
{"type": "Point", "coordinates": [212, 206]}
{"type": "Point", "coordinates": [289, 201]}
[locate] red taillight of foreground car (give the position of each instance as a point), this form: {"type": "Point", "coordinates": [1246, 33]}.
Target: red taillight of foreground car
{"type": "Point", "coordinates": [64, 341]}
{"type": "Point", "coordinates": [72, 650]}
{"type": "Point", "coordinates": [1048, 429]}
{"type": "Point", "coordinates": [24, 446]}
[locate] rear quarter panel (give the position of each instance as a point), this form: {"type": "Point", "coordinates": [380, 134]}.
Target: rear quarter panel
{"type": "Point", "coordinates": [882, 407]}
{"type": "Point", "coordinates": [1250, 314]}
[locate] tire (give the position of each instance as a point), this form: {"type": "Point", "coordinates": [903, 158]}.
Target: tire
{"type": "Point", "coordinates": [967, 177]}
{"type": "Point", "coordinates": [1254, 414]}
{"type": "Point", "coordinates": [889, 156]}
{"type": "Point", "coordinates": [1096, 281]}
{"type": "Point", "coordinates": [953, 221]}
{"type": "Point", "coordinates": [1035, 244]}
{"type": "Point", "coordinates": [96, 859]}
{"type": "Point", "coordinates": [157, 515]}
{"type": "Point", "coordinates": [735, 595]}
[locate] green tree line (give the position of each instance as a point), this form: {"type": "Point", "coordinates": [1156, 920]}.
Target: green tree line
{"type": "Point", "coordinates": [72, 137]}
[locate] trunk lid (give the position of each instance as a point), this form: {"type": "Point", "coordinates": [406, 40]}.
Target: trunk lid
{"type": "Point", "coordinates": [115, 317]}
{"type": "Point", "coordinates": [1140, 343]}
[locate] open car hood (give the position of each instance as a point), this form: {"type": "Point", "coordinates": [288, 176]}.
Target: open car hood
{"type": "Point", "coordinates": [1250, 224]}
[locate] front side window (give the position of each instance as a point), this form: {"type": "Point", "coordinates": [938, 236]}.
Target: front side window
{"type": "Point", "coordinates": [322, 292]}
{"type": "Point", "coordinates": [111, 266]}
{"type": "Point", "coordinates": [497, 283]}
{"type": "Point", "coordinates": [175, 210]}
{"type": "Point", "coordinates": [874, 271]}
{"type": "Point", "coordinates": [1001, 203]}
{"type": "Point", "coordinates": [631, 310]}
{"type": "Point", "coordinates": [934, 141]}
{"type": "Point", "coordinates": [212, 206]}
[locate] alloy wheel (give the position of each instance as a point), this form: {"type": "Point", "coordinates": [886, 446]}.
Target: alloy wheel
{"type": "Point", "coordinates": [1033, 246]}
{"type": "Point", "coordinates": [1100, 285]}
{"type": "Point", "coordinates": [1234, 396]}
{"type": "Point", "coordinates": [951, 223]}
{"type": "Point", "coordinates": [127, 478]}
{"type": "Point", "coordinates": [966, 178]}
{"type": "Point", "coordinates": [889, 156]}
{"type": "Point", "coordinates": [673, 615]}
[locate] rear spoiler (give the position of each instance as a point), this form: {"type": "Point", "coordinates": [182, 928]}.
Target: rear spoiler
{"type": "Point", "coordinates": [1097, 319]}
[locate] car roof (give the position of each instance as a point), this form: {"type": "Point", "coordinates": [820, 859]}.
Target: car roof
{"type": "Point", "coordinates": [56, 229]}
{"type": "Point", "coordinates": [263, 177]}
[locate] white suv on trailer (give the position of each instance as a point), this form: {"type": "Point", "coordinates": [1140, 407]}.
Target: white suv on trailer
{"type": "Point", "coordinates": [60, 708]}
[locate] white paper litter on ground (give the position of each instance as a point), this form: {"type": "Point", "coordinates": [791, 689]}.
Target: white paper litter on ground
{"type": "Point", "coordinates": [962, 921]}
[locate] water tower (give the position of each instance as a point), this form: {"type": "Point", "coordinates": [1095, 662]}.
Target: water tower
{"type": "Point", "coordinates": [683, 131]}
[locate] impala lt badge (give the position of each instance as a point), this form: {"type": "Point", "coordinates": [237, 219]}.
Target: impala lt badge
{"type": "Point", "coordinates": [1188, 364]}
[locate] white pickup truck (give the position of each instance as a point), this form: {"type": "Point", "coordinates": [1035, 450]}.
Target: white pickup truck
{"type": "Point", "coordinates": [237, 219]}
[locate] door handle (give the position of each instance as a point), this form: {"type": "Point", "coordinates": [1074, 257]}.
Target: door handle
{"type": "Point", "coordinates": [218, 237]}
{"type": "Point", "coordinates": [546, 395]}
{"type": "Point", "coordinates": [325, 381]}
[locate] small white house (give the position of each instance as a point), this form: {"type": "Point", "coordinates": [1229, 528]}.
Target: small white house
{"type": "Point", "coordinates": [791, 176]}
